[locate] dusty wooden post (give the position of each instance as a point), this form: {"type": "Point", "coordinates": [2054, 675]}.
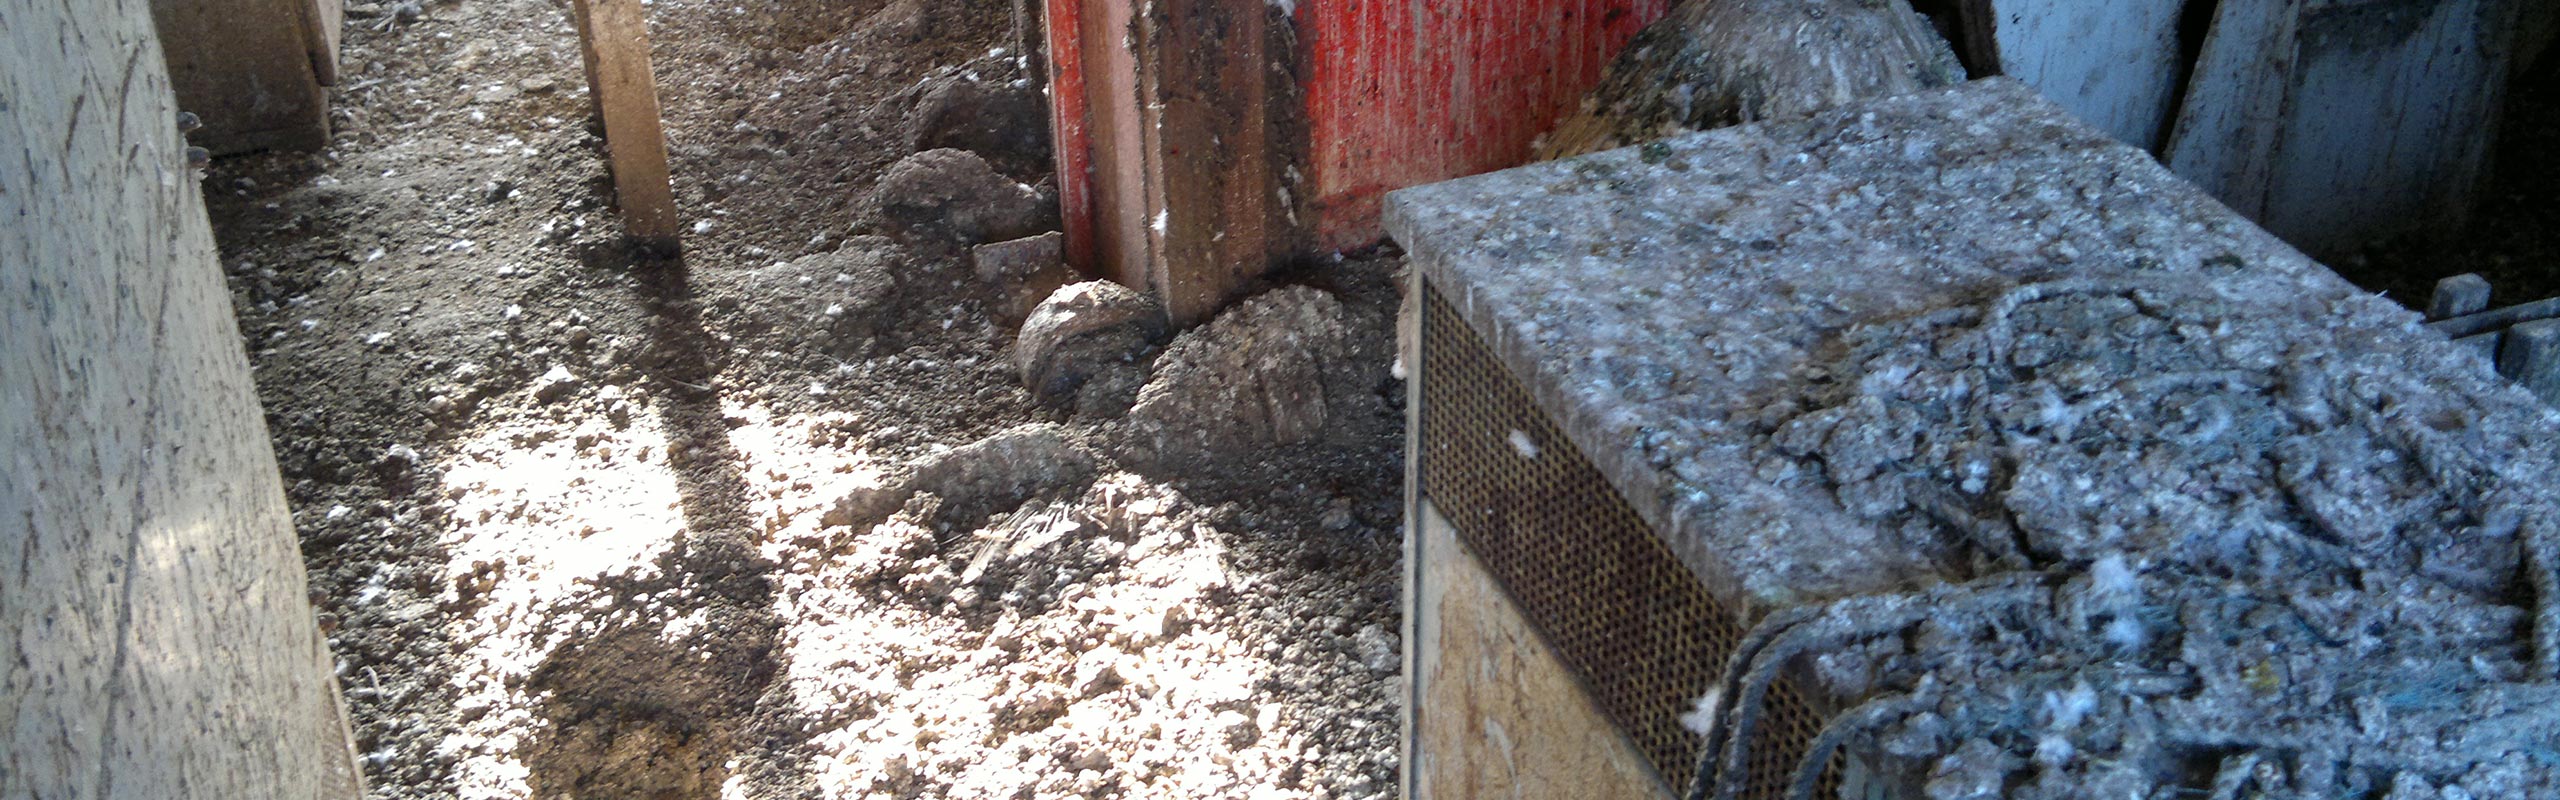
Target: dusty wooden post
{"type": "Point", "coordinates": [2335, 123]}
{"type": "Point", "coordinates": [614, 43]}
{"type": "Point", "coordinates": [2113, 63]}
{"type": "Point", "coordinates": [1163, 131]}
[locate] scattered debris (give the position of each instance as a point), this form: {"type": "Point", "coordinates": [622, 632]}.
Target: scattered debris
{"type": "Point", "coordinates": [1006, 123]}
{"type": "Point", "coordinates": [1021, 273]}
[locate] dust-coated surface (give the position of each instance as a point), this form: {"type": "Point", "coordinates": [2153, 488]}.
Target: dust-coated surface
{"type": "Point", "coordinates": [2062, 479]}
{"type": "Point", "coordinates": [777, 519]}
{"type": "Point", "coordinates": [154, 640]}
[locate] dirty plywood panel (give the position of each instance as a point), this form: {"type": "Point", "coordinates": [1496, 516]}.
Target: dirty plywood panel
{"type": "Point", "coordinates": [2393, 109]}
{"type": "Point", "coordinates": [246, 68]}
{"type": "Point", "coordinates": [2335, 122]}
{"type": "Point", "coordinates": [2113, 63]}
{"type": "Point", "coordinates": [1496, 712]}
{"type": "Point", "coordinates": [155, 636]}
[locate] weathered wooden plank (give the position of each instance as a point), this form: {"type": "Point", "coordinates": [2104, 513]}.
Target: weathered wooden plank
{"type": "Point", "coordinates": [328, 20]}
{"type": "Point", "coordinates": [2486, 321]}
{"type": "Point", "coordinates": [2113, 63]}
{"type": "Point", "coordinates": [246, 68]}
{"type": "Point", "coordinates": [2336, 122]}
{"type": "Point", "coordinates": [1117, 160]}
{"type": "Point", "coordinates": [1208, 109]}
{"type": "Point", "coordinates": [614, 36]}
{"type": "Point", "coordinates": [2531, 358]}
{"type": "Point", "coordinates": [2467, 293]}
{"type": "Point", "coordinates": [2234, 110]}
{"type": "Point", "coordinates": [2394, 105]}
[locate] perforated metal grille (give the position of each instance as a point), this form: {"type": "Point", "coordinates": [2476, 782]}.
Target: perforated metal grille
{"type": "Point", "coordinates": [1639, 630]}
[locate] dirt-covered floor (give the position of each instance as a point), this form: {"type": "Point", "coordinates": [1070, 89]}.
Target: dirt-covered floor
{"type": "Point", "coordinates": [777, 518]}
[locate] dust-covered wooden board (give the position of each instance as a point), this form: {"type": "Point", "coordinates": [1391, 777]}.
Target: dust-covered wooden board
{"type": "Point", "coordinates": [614, 40]}
{"type": "Point", "coordinates": [2337, 122]}
{"type": "Point", "coordinates": [1498, 714]}
{"type": "Point", "coordinates": [2114, 63]}
{"type": "Point", "coordinates": [246, 68]}
{"type": "Point", "coordinates": [328, 20]}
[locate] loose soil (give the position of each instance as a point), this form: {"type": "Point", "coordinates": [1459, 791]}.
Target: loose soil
{"type": "Point", "coordinates": [577, 517]}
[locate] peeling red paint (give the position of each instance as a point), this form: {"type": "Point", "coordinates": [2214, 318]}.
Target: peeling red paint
{"type": "Point", "coordinates": [1406, 92]}
{"type": "Point", "coordinates": [1400, 93]}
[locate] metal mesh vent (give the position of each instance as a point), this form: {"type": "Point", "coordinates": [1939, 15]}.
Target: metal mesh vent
{"type": "Point", "coordinates": [1639, 630]}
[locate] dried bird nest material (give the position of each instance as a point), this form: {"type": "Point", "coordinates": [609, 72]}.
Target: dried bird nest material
{"type": "Point", "coordinates": [2200, 560]}
{"type": "Point", "coordinates": [1714, 63]}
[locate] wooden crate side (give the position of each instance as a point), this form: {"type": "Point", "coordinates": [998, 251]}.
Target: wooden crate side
{"type": "Point", "coordinates": [245, 67]}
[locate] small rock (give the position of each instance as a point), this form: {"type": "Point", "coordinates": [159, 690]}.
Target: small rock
{"type": "Point", "coordinates": [1098, 671]}
{"type": "Point", "coordinates": [1377, 648]}
{"type": "Point", "coordinates": [1085, 330]}
{"type": "Point", "coordinates": [398, 457]}
{"type": "Point", "coordinates": [554, 384]}
{"type": "Point", "coordinates": [1337, 516]}
{"type": "Point", "coordinates": [1022, 272]}
{"type": "Point", "coordinates": [1238, 730]}
{"type": "Point", "coordinates": [537, 85]}
{"type": "Point", "coordinates": [1001, 122]}
{"type": "Point", "coordinates": [1267, 372]}
{"type": "Point", "coordinates": [952, 197]}
{"type": "Point", "coordinates": [494, 95]}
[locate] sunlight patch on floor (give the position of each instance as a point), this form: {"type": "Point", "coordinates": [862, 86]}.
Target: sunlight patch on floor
{"type": "Point", "coordinates": [539, 516]}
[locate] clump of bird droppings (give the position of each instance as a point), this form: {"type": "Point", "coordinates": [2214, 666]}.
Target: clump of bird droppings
{"type": "Point", "coordinates": [2194, 551]}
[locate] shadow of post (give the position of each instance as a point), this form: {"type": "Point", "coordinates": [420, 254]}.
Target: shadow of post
{"type": "Point", "coordinates": [678, 688]}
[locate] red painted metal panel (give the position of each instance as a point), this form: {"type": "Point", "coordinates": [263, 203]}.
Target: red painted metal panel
{"type": "Point", "coordinates": [1070, 118]}
{"type": "Point", "coordinates": [1400, 93]}
{"type": "Point", "coordinates": [1406, 92]}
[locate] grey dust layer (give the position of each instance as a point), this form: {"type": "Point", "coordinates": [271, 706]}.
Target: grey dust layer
{"type": "Point", "coordinates": [2061, 479]}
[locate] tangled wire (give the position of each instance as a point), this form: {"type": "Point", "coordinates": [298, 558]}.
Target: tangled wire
{"type": "Point", "coordinates": [2196, 561]}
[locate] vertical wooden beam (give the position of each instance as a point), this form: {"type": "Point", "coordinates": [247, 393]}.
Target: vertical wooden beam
{"type": "Point", "coordinates": [1069, 119]}
{"type": "Point", "coordinates": [2337, 122]}
{"type": "Point", "coordinates": [328, 23]}
{"type": "Point", "coordinates": [2114, 64]}
{"type": "Point", "coordinates": [614, 41]}
{"type": "Point", "coordinates": [1164, 145]}
{"type": "Point", "coordinates": [1210, 163]}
